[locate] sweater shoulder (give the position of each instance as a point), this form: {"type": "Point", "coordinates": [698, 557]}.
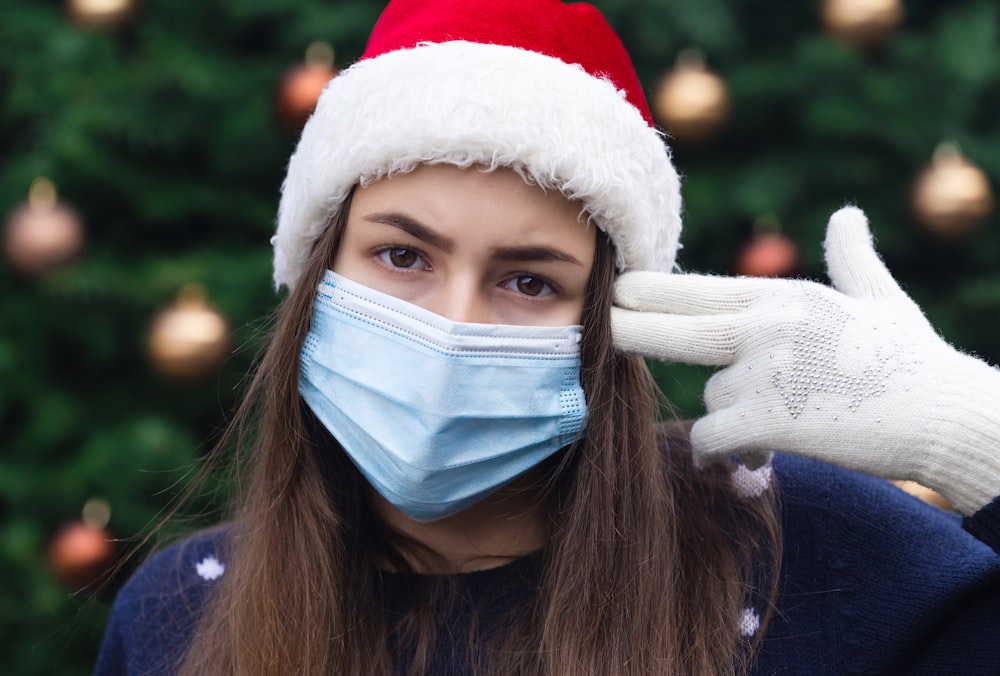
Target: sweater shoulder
{"type": "Point", "coordinates": [155, 613]}
{"type": "Point", "coordinates": [871, 513]}
{"type": "Point", "coordinates": [877, 580]}
{"type": "Point", "coordinates": [194, 562]}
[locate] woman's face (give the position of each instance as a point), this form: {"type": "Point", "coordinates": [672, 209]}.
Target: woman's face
{"type": "Point", "coordinates": [470, 245]}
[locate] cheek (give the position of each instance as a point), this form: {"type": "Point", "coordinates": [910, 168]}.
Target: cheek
{"type": "Point", "coordinates": [564, 313]}
{"type": "Point", "coordinates": [360, 269]}
{"type": "Point", "coordinates": [349, 262]}
{"type": "Point", "coordinates": [352, 261]}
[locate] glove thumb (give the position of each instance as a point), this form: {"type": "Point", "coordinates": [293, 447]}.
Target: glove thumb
{"type": "Point", "coordinates": [854, 266]}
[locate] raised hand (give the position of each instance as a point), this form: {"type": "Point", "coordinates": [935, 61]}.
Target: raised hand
{"type": "Point", "coordinates": [852, 374]}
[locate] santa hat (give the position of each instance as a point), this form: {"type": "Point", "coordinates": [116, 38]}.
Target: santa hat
{"type": "Point", "coordinates": [542, 87]}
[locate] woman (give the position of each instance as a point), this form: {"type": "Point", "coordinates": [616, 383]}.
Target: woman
{"type": "Point", "coordinates": [454, 466]}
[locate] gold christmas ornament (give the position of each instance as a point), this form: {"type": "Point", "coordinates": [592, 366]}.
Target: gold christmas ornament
{"type": "Point", "coordinates": [926, 494]}
{"type": "Point", "coordinates": [861, 21]}
{"type": "Point", "coordinates": [952, 196]}
{"type": "Point", "coordinates": [691, 102]}
{"type": "Point", "coordinates": [96, 512]}
{"type": "Point", "coordinates": [100, 13]}
{"type": "Point", "coordinates": [42, 233]}
{"type": "Point", "coordinates": [188, 339]}
{"type": "Point", "coordinates": [301, 85]}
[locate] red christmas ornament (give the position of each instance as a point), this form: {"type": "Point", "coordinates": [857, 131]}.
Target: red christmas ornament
{"type": "Point", "coordinates": [302, 85]}
{"type": "Point", "coordinates": [42, 233]}
{"type": "Point", "coordinates": [768, 255]}
{"type": "Point", "coordinates": [79, 553]}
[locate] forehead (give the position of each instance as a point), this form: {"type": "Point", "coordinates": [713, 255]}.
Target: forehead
{"type": "Point", "coordinates": [497, 203]}
{"type": "Point", "coordinates": [502, 181]}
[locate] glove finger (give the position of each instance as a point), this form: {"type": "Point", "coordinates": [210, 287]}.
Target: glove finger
{"type": "Point", "coordinates": [683, 294]}
{"type": "Point", "coordinates": [709, 340]}
{"type": "Point", "coordinates": [721, 392]}
{"type": "Point", "coordinates": [721, 388]}
{"type": "Point", "coordinates": [724, 433]}
{"type": "Point", "coordinates": [854, 266]}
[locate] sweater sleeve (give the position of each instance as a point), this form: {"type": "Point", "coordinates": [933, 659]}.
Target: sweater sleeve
{"type": "Point", "coordinates": [155, 614]}
{"type": "Point", "coordinates": [875, 581]}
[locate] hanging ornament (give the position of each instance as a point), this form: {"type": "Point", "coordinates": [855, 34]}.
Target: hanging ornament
{"type": "Point", "coordinates": [769, 253]}
{"type": "Point", "coordinates": [952, 196]}
{"type": "Point", "coordinates": [96, 512]}
{"type": "Point", "coordinates": [81, 551]}
{"type": "Point", "coordinates": [928, 495]}
{"type": "Point", "coordinates": [43, 233]}
{"type": "Point", "coordinates": [691, 102]}
{"type": "Point", "coordinates": [302, 85]}
{"type": "Point", "coordinates": [100, 13]}
{"type": "Point", "coordinates": [862, 22]}
{"type": "Point", "coordinates": [189, 339]}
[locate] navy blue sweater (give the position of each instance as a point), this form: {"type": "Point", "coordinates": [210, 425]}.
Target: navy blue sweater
{"type": "Point", "coordinates": [873, 582]}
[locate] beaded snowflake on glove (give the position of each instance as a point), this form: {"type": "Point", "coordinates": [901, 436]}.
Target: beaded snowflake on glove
{"type": "Point", "coordinates": [852, 374]}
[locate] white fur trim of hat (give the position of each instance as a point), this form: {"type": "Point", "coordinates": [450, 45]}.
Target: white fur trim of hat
{"type": "Point", "coordinates": [471, 104]}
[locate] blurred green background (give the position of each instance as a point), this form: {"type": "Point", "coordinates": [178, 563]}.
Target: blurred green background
{"type": "Point", "coordinates": [162, 134]}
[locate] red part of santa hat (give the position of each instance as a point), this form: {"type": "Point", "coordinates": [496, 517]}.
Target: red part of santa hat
{"type": "Point", "coordinates": [542, 87]}
{"type": "Point", "coordinates": [575, 34]}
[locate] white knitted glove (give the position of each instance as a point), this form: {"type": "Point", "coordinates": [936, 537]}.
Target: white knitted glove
{"type": "Point", "coordinates": [853, 374]}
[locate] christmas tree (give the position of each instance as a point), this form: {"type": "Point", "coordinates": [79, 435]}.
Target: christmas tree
{"type": "Point", "coordinates": [166, 131]}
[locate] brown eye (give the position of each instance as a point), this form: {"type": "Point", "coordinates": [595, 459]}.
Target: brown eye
{"type": "Point", "coordinates": [402, 258]}
{"type": "Point", "coordinates": [530, 286]}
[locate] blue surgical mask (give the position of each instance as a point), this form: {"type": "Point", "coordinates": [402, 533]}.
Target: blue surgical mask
{"type": "Point", "coordinates": [437, 414]}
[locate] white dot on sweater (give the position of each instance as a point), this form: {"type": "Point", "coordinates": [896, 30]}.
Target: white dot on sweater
{"type": "Point", "coordinates": [210, 568]}
{"type": "Point", "coordinates": [751, 483]}
{"type": "Point", "coordinates": [749, 622]}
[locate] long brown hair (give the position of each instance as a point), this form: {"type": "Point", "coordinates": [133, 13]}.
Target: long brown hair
{"type": "Point", "coordinates": [647, 565]}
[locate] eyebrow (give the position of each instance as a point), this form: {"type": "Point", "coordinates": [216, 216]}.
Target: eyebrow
{"type": "Point", "coordinates": [533, 254]}
{"type": "Point", "coordinates": [529, 254]}
{"type": "Point", "coordinates": [412, 228]}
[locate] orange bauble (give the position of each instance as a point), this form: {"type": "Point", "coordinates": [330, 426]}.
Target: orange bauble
{"type": "Point", "coordinates": [691, 102]}
{"type": "Point", "coordinates": [768, 255]}
{"type": "Point", "coordinates": [862, 22]}
{"type": "Point", "coordinates": [301, 86]}
{"type": "Point", "coordinates": [189, 339]}
{"type": "Point", "coordinates": [42, 234]}
{"type": "Point", "coordinates": [79, 553]}
{"type": "Point", "coordinates": [926, 494]}
{"type": "Point", "coordinates": [952, 196]}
